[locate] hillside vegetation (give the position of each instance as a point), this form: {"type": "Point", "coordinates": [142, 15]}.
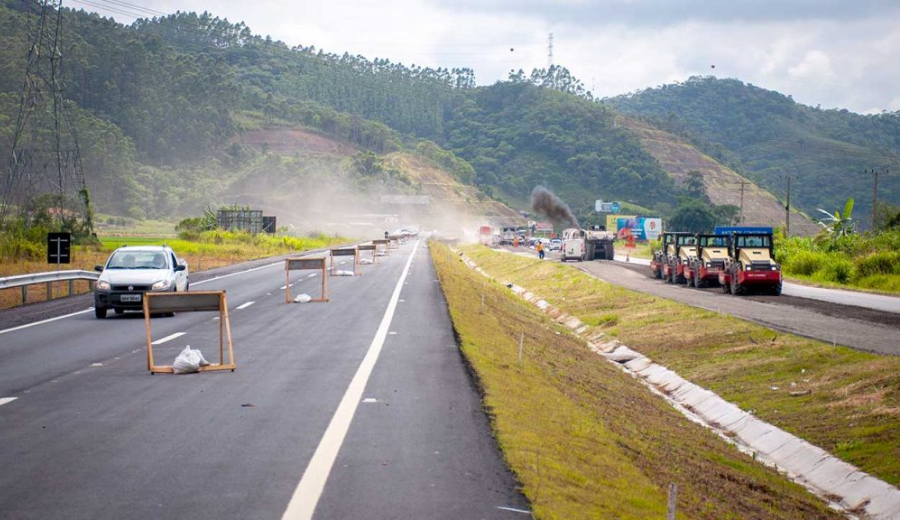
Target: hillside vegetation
{"type": "Point", "coordinates": [766, 136]}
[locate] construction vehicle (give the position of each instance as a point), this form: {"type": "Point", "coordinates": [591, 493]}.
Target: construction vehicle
{"type": "Point", "coordinates": [659, 255]}
{"type": "Point", "coordinates": [507, 236]}
{"type": "Point", "coordinates": [587, 244]}
{"type": "Point", "coordinates": [709, 261]}
{"type": "Point", "coordinates": [677, 254]}
{"type": "Point", "coordinates": [750, 266]}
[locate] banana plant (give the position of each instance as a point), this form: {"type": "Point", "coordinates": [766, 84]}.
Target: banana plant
{"type": "Point", "coordinates": [837, 225]}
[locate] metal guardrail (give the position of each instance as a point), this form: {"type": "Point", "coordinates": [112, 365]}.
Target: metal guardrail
{"type": "Point", "coordinates": [24, 280]}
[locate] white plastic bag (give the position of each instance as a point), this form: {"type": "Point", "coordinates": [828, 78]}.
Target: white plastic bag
{"type": "Point", "coordinates": [188, 361]}
{"type": "Point", "coordinates": [303, 298]}
{"type": "Point", "coordinates": [344, 273]}
{"type": "Point", "coordinates": [365, 261]}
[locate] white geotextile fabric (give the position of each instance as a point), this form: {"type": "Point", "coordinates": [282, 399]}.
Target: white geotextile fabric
{"type": "Point", "coordinates": [639, 363]}
{"type": "Point", "coordinates": [622, 354]}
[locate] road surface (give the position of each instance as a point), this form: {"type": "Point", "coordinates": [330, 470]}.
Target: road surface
{"type": "Point", "coordinates": [356, 408]}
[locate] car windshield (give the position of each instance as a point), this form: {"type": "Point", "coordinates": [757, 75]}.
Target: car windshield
{"type": "Point", "coordinates": [137, 260]}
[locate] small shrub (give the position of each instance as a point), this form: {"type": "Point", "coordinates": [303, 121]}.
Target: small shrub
{"type": "Point", "coordinates": [805, 263]}
{"type": "Point", "coordinates": [836, 269]}
{"type": "Point", "coordinates": [882, 262]}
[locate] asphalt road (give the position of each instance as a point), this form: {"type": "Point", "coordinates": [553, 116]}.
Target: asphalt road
{"type": "Point", "coordinates": [357, 408]}
{"type": "Point", "coordinates": [862, 328]}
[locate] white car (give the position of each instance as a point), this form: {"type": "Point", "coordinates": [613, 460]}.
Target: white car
{"type": "Point", "coordinates": [132, 271]}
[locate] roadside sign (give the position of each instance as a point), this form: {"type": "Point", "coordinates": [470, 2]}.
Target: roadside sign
{"type": "Point", "coordinates": [612, 224]}
{"type": "Point", "coordinates": [58, 248]}
{"type": "Point", "coordinates": [607, 207]}
{"type": "Point", "coordinates": [642, 228]}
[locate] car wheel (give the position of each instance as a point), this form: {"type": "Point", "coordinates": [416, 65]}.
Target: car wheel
{"type": "Point", "coordinates": [100, 312]}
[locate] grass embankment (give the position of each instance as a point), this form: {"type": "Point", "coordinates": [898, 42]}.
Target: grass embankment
{"type": "Point", "coordinates": [210, 250]}
{"type": "Point", "coordinates": [870, 263]}
{"type": "Point", "coordinates": [852, 407]}
{"type": "Point", "coordinates": [587, 440]}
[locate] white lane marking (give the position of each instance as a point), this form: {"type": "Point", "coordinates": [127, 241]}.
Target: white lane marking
{"type": "Point", "coordinates": [514, 510]}
{"type": "Point", "coordinates": [244, 306]}
{"type": "Point", "coordinates": [96, 364]}
{"type": "Point", "coordinates": [237, 273]}
{"type": "Point", "coordinates": [370, 400]}
{"type": "Point", "coordinates": [392, 333]}
{"type": "Point", "coordinates": [170, 337]}
{"type": "Point", "coordinates": [5, 400]}
{"type": "Point", "coordinates": [309, 490]}
{"type": "Point", "coordinates": [20, 327]}
{"type": "Point", "coordinates": [311, 275]}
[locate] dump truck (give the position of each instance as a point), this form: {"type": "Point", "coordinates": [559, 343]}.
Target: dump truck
{"type": "Point", "coordinates": [711, 255]}
{"type": "Point", "coordinates": [677, 254]}
{"type": "Point", "coordinates": [750, 266]}
{"type": "Point", "coordinates": [587, 244]}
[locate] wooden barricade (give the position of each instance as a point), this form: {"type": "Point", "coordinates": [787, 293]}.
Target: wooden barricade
{"type": "Point", "coordinates": [369, 247]}
{"type": "Point", "coordinates": [346, 251]}
{"type": "Point", "coordinates": [319, 263]}
{"type": "Point", "coordinates": [193, 301]}
{"type": "Point", "coordinates": [383, 243]}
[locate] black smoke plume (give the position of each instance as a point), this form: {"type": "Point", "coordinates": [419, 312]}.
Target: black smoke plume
{"type": "Point", "coordinates": [544, 202]}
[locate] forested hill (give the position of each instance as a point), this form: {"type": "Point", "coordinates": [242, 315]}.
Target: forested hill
{"type": "Point", "coordinates": [766, 136]}
{"type": "Point", "coordinates": [517, 135]}
{"type": "Point", "coordinates": [160, 106]}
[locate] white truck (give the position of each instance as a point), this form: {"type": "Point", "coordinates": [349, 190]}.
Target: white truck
{"type": "Point", "coordinates": [587, 244]}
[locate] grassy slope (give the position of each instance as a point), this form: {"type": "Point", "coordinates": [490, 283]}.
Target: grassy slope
{"type": "Point", "coordinates": [585, 439]}
{"type": "Point", "coordinates": [679, 157]}
{"type": "Point", "coordinates": [853, 405]}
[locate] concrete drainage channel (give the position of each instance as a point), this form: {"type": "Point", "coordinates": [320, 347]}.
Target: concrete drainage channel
{"type": "Point", "coordinates": [841, 484]}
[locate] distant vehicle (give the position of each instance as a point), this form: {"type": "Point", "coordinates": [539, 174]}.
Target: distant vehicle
{"type": "Point", "coordinates": [555, 244]}
{"type": "Point", "coordinates": [132, 271]}
{"type": "Point", "coordinates": [507, 236]}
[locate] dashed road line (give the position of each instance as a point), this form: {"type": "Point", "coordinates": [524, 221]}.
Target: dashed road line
{"type": "Point", "coordinates": [306, 496]}
{"type": "Point", "coordinates": [6, 400]}
{"type": "Point", "coordinates": [170, 337]}
{"type": "Point", "coordinates": [244, 306]}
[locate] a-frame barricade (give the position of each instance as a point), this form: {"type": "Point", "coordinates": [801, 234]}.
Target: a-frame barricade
{"type": "Point", "coordinates": [193, 301]}
{"type": "Point", "coordinates": [383, 244]}
{"type": "Point", "coordinates": [369, 247]}
{"type": "Point", "coordinates": [346, 251]}
{"type": "Point", "coordinates": [311, 263]}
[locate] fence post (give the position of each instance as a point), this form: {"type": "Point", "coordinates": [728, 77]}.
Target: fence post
{"type": "Point", "coordinates": [49, 291]}
{"type": "Point", "coordinates": [521, 342]}
{"type": "Point", "coordinates": [673, 498]}
{"type": "Point", "coordinates": [24, 294]}
{"type": "Point", "coordinates": [71, 287]}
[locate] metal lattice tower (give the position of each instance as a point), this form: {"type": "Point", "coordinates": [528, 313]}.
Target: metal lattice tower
{"type": "Point", "coordinates": [45, 158]}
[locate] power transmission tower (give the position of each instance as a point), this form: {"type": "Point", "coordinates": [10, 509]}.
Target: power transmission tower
{"type": "Point", "coordinates": [550, 52]}
{"type": "Point", "coordinates": [741, 214]}
{"type": "Point", "coordinates": [45, 158]}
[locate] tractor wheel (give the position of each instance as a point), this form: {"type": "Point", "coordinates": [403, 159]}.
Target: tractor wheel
{"type": "Point", "coordinates": [776, 290]}
{"type": "Point", "coordinates": [699, 283]}
{"type": "Point", "coordinates": [689, 281]}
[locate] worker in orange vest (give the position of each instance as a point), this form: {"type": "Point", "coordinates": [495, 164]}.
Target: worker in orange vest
{"type": "Point", "coordinates": [540, 249]}
{"type": "Point", "coordinates": [516, 242]}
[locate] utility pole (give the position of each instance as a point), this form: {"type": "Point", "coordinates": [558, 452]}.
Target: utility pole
{"type": "Point", "coordinates": [787, 210]}
{"type": "Point", "coordinates": [875, 197]}
{"type": "Point", "coordinates": [550, 52]}
{"type": "Point", "coordinates": [45, 157]}
{"type": "Point", "coordinates": [741, 215]}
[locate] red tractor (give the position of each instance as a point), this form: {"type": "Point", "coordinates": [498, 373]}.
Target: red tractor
{"type": "Point", "coordinates": [709, 261]}
{"type": "Point", "coordinates": [660, 256]}
{"type": "Point", "coordinates": [750, 266]}
{"type": "Point", "coordinates": [678, 256]}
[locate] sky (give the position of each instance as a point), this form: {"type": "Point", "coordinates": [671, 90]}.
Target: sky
{"type": "Point", "coordinates": [832, 53]}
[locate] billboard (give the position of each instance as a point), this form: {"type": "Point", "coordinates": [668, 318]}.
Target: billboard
{"type": "Point", "coordinates": [641, 228]}
{"type": "Point", "coordinates": [612, 221]}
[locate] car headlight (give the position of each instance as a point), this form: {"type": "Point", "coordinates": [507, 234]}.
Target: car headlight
{"type": "Point", "coordinates": [161, 285]}
{"type": "Point", "coordinates": [103, 285]}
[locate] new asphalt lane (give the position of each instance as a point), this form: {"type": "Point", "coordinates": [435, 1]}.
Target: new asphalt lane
{"type": "Point", "coordinates": [92, 435]}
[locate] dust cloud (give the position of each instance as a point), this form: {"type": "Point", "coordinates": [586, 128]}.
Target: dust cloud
{"type": "Point", "coordinates": [544, 202]}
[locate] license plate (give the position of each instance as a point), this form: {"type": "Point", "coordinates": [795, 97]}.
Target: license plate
{"type": "Point", "coordinates": [130, 298]}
